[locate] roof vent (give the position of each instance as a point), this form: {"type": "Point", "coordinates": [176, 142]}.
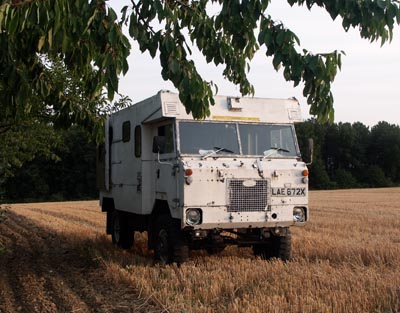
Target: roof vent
{"type": "Point", "coordinates": [294, 114]}
{"type": "Point", "coordinates": [171, 108]}
{"type": "Point", "coordinates": [234, 105]}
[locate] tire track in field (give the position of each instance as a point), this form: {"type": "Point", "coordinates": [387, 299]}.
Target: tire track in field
{"type": "Point", "coordinates": [56, 225]}
{"type": "Point", "coordinates": [21, 275]}
{"type": "Point", "coordinates": [36, 269]}
{"type": "Point", "coordinates": [82, 222]}
{"type": "Point", "coordinates": [8, 292]}
{"type": "Point", "coordinates": [75, 211]}
{"type": "Point", "coordinates": [43, 271]}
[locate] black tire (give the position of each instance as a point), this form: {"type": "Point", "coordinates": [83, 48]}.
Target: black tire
{"type": "Point", "coordinates": [170, 244]}
{"type": "Point", "coordinates": [276, 247]}
{"type": "Point", "coordinates": [122, 235]}
{"type": "Point", "coordinates": [216, 245]}
{"type": "Point", "coordinates": [215, 250]}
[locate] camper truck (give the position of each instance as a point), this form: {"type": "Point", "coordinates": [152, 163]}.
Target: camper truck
{"type": "Point", "coordinates": [233, 178]}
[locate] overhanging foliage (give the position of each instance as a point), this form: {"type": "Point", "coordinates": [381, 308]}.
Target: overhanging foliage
{"type": "Point", "coordinates": [87, 36]}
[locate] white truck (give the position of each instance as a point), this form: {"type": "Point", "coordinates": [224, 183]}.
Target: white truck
{"type": "Point", "coordinates": [235, 177]}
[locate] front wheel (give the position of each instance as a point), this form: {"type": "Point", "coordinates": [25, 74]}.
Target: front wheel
{"type": "Point", "coordinates": [276, 247]}
{"type": "Point", "coordinates": [216, 245]}
{"type": "Point", "coordinates": [215, 250]}
{"type": "Point", "coordinates": [171, 246]}
{"type": "Point", "coordinates": [122, 235]}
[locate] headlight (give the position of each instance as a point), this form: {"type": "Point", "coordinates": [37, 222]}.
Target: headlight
{"type": "Point", "coordinates": [299, 214]}
{"type": "Point", "coordinates": [193, 217]}
{"type": "Point", "coordinates": [188, 180]}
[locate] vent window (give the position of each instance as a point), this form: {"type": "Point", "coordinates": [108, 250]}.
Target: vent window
{"type": "Point", "coordinates": [138, 141]}
{"type": "Point", "coordinates": [126, 131]}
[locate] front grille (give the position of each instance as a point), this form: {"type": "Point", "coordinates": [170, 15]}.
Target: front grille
{"type": "Point", "coordinates": [242, 198]}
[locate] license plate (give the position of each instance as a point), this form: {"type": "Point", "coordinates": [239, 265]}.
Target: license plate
{"type": "Point", "coordinates": [289, 192]}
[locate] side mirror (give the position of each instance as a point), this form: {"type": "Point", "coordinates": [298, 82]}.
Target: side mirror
{"type": "Point", "coordinates": [159, 144]}
{"type": "Point", "coordinates": [310, 150]}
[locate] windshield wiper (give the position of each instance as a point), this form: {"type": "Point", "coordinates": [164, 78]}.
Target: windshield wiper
{"type": "Point", "coordinates": [223, 150]}
{"type": "Point", "coordinates": [279, 149]}
{"type": "Point", "coordinates": [273, 150]}
{"type": "Point", "coordinates": [215, 151]}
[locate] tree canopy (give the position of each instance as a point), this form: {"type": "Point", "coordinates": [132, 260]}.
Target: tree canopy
{"type": "Point", "coordinates": [60, 60]}
{"type": "Point", "coordinates": [34, 134]}
{"type": "Point", "coordinates": [83, 35]}
{"type": "Point", "coordinates": [87, 36]}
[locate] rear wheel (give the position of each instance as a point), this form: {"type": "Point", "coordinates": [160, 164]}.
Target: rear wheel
{"type": "Point", "coordinates": [171, 246]}
{"type": "Point", "coordinates": [122, 235]}
{"type": "Point", "coordinates": [276, 247]}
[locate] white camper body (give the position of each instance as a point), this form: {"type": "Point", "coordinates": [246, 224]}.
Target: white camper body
{"type": "Point", "coordinates": [190, 182]}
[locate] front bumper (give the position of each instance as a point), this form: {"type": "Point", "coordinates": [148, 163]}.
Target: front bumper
{"type": "Point", "coordinates": [219, 217]}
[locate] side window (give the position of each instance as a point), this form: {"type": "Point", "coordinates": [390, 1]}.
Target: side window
{"type": "Point", "coordinates": [168, 132]}
{"type": "Point", "coordinates": [126, 131]}
{"type": "Point", "coordinates": [110, 135]}
{"type": "Point", "coordinates": [138, 141]}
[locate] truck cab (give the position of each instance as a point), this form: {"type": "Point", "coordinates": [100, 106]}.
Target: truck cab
{"type": "Point", "coordinates": [234, 178]}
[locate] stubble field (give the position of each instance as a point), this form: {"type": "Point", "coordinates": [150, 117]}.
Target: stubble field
{"type": "Point", "coordinates": [54, 257]}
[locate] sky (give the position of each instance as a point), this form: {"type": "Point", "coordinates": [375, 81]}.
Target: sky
{"type": "Point", "coordinates": [367, 89]}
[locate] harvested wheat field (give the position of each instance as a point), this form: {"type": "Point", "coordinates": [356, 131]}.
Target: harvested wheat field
{"type": "Point", "coordinates": [54, 257]}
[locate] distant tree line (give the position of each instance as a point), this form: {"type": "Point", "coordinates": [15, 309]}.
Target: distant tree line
{"type": "Point", "coordinates": [345, 156]}
{"type": "Point", "coordinates": [69, 176]}
{"type": "Point", "coordinates": [352, 155]}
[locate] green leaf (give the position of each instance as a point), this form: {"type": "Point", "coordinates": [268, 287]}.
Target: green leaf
{"type": "Point", "coordinates": [125, 66]}
{"type": "Point", "coordinates": [281, 37]}
{"type": "Point", "coordinates": [296, 38]}
{"type": "Point", "coordinates": [313, 63]}
{"type": "Point", "coordinates": [110, 90]}
{"type": "Point", "coordinates": [398, 16]}
{"type": "Point", "coordinates": [133, 30]}
{"type": "Point", "coordinates": [261, 36]}
{"type": "Point", "coordinates": [173, 66]}
{"type": "Point", "coordinates": [90, 21]}
{"type": "Point", "coordinates": [65, 43]}
{"type": "Point", "coordinates": [1, 18]}
{"type": "Point", "coordinates": [13, 25]}
{"type": "Point", "coordinates": [112, 15]}
{"type": "Point", "coordinates": [277, 61]}
{"type": "Point", "coordinates": [124, 12]}
{"type": "Point", "coordinates": [113, 35]}
{"type": "Point", "coordinates": [169, 44]}
{"type": "Point", "coordinates": [381, 4]}
{"type": "Point", "coordinates": [41, 42]}
{"type": "Point", "coordinates": [50, 37]}
{"type": "Point", "coordinates": [268, 39]}
{"type": "Point", "coordinates": [159, 8]}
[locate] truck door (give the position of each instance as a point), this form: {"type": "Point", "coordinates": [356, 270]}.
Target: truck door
{"type": "Point", "coordinates": [166, 169]}
{"type": "Point", "coordinates": [125, 166]}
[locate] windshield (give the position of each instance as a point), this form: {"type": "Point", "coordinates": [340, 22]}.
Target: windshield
{"type": "Point", "coordinates": [206, 138]}
{"type": "Point", "coordinates": [196, 137]}
{"type": "Point", "coordinates": [267, 140]}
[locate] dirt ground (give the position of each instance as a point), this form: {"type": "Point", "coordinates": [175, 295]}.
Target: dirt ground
{"type": "Point", "coordinates": [44, 270]}
{"type": "Point", "coordinates": [55, 257]}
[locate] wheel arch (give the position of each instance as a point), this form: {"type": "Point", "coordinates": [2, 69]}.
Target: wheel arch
{"type": "Point", "coordinates": [160, 208]}
{"type": "Point", "coordinates": [107, 205]}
